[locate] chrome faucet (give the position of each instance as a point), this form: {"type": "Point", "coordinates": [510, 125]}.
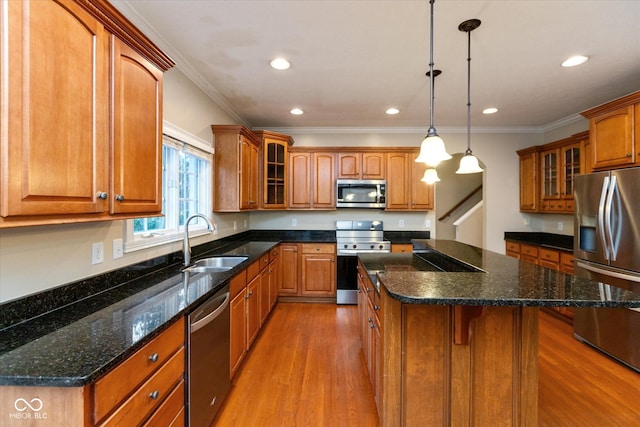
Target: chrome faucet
{"type": "Point", "coordinates": [186, 247]}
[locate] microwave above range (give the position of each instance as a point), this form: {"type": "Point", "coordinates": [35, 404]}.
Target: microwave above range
{"type": "Point", "coordinates": [356, 193]}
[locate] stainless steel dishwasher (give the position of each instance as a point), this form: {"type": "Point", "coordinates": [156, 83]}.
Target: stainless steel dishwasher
{"type": "Point", "coordinates": [208, 358]}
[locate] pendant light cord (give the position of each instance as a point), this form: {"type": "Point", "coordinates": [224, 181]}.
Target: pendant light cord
{"type": "Point", "coordinates": [431, 76]}
{"type": "Point", "coordinates": [468, 93]}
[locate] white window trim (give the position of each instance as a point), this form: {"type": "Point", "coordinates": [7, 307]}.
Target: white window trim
{"type": "Point", "coordinates": [152, 240]}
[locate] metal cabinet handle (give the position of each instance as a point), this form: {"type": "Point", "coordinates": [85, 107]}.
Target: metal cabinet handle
{"type": "Point", "coordinates": [119, 197]}
{"type": "Point", "coordinates": [102, 195]}
{"type": "Point", "coordinates": [376, 307]}
{"type": "Point", "coordinates": [372, 325]}
{"type": "Point", "coordinates": [154, 357]}
{"type": "Point", "coordinates": [628, 154]}
{"type": "Point", "coordinates": [154, 395]}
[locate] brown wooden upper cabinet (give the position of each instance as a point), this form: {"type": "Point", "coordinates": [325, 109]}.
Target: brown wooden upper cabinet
{"type": "Point", "coordinates": [65, 143]}
{"type": "Point", "coordinates": [363, 165]}
{"type": "Point", "coordinates": [547, 174]}
{"type": "Point", "coordinates": [236, 169]}
{"type": "Point", "coordinates": [312, 180]}
{"type": "Point", "coordinates": [614, 132]}
{"type": "Point", "coordinates": [405, 190]}
{"type": "Point", "coordinates": [275, 160]}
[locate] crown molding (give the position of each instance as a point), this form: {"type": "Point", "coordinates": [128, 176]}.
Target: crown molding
{"type": "Point", "coordinates": [402, 130]}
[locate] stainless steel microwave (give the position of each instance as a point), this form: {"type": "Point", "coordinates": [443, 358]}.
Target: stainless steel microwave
{"type": "Point", "coordinates": [356, 193]}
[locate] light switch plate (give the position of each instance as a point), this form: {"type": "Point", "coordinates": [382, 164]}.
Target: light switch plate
{"type": "Point", "coordinates": [117, 248]}
{"type": "Point", "coordinates": [97, 253]}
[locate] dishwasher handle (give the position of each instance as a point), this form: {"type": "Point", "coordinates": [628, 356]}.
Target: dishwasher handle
{"type": "Point", "coordinates": [211, 316]}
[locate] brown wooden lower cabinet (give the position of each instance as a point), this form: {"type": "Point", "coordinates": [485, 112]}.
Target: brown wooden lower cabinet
{"type": "Point", "coordinates": [308, 270]}
{"type": "Point", "coordinates": [548, 258]}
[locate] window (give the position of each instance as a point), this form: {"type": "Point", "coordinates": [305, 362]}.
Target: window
{"type": "Point", "coordinates": [186, 190]}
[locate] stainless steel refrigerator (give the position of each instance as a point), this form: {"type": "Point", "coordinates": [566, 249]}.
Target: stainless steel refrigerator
{"type": "Point", "coordinates": [607, 250]}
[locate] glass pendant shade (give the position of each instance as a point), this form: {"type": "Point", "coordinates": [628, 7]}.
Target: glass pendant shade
{"type": "Point", "coordinates": [430, 176]}
{"type": "Point", "coordinates": [469, 164]}
{"type": "Point", "coordinates": [432, 150]}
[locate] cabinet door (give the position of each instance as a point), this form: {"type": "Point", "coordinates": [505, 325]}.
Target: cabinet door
{"type": "Point", "coordinates": [137, 133]}
{"type": "Point", "coordinates": [422, 194]}
{"type": "Point", "coordinates": [571, 166]}
{"type": "Point", "coordinates": [373, 166]}
{"type": "Point", "coordinates": [398, 185]}
{"type": "Point", "coordinates": [318, 274]}
{"type": "Point", "coordinates": [55, 145]}
{"type": "Point", "coordinates": [324, 182]}
{"type": "Point", "coordinates": [248, 174]}
{"type": "Point", "coordinates": [274, 280]}
{"type": "Point", "coordinates": [274, 190]}
{"type": "Point", "coordinates": [528, 181]}
{"type": "Point", "coordinates": [612, 138]}
{"type": "Point", "coordinates": [349, 165]}
{"type": "Point", "coordinates": [253, 310]}
{"type": "Point", "coordinates": [265, 302]}
{"type": "Point", "coordinates": [238, 313]}
{"type": "Point", "coordinates": [289, 271]}
{"type": "Point", "coordinates": [300, 180]}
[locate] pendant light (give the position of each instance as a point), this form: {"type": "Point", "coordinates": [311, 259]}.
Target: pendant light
{"type": "Point", "coordinates": [469, 162]}
{"type": "Point", "coordinates": [432, 150]}
{"type": "Point", "coordinates": [430, 176]}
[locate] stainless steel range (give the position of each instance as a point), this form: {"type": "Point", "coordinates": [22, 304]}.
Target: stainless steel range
{"type": "Point", "coordinates": [352, 238]}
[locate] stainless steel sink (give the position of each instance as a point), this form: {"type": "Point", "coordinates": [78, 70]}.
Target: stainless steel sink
{"type": "Point", "coordinates": [216, 264]}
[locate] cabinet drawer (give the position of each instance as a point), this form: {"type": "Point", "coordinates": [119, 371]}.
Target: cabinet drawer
{"type": "Point", "coordinates": [253, 270]}
{"type": "Point", "coordinates": [549, 255]}
{"type": "Point", "coordinates": [513, 247]}
{"type": "Point", "coordinates": [275, 252]}
{"type": "Point", "coordinates": [566, 262]}
{"type": "Point", "coordinates": [168, 412]}
{"type": "Point", "coordinates": [264, 261]}
{"type": "Point", "coordinates": [309, 248]}
{"type": "Point", "coordinates": [149, 395]}
{"type": "Point", "coordinates": [528, 251]}
{"type": "Point", "coordinates": [111, 389]}
{"type": "Point", "coordinates": [237, 284]}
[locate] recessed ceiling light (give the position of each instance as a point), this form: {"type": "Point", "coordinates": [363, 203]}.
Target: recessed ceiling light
{"type": "Point", "coordinates": [392, 111]}
{"type": "Point", "coordinates": [575, 60]}
{"type": "Point", "coordinates": [280, 64]}
{"type": "Point", "coordinates": [490, 110]}
{"type": "Point", "coordinates": [296, 112]}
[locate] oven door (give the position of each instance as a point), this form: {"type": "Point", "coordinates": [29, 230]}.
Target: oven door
{"type": "Point", "coordinates": [347, 279]}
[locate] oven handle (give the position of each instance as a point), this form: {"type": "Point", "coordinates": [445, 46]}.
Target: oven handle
{"type": "Point", "coordinates": [211, 316]}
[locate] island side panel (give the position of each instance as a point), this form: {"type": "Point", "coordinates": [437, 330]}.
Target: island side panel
{"type": "Point", "coordinates": [490, 380]}
{"type": "Point", "coordinates": [26, 406]}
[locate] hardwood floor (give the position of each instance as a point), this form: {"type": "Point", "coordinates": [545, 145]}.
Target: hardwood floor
{"type": "Point", "coordinates": [307, 369]}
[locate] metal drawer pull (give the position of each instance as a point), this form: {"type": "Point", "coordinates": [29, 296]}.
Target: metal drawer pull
{"type": "Point", "coordinates": [120, 197]}
{"type": "Point", "coordinates": [102, 195]}
{"type": "Point", "coordinates": [154, 395]}
{"type": "Point", "coordinates": [154, 357]}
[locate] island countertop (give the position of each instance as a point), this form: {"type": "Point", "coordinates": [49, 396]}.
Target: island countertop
{"type": "Point", "coordinates": [498, 280]}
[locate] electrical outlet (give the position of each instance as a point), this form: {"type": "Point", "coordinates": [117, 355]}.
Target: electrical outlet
{"type": "Point", "coordinates": [527, 220]}
{"type": "Point", "coordinates": [97, 253]}
{"type": "Point", "coordinates": [117, 248]}
{"type": "Point", "coordinates": [235, 225]}
{"type": "Point", "coordinates": [560, 225]}
{"type": "Point", "coordinates": [294, 222]}
{"type": "Point", "coordinates": [401, 223]}
{"type": "Point", "coordinates": [427, 223]}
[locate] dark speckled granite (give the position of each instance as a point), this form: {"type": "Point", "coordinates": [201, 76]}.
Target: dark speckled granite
{"type": "Point", "coordinates": [550, 240]}
{"type": "Point", "coordinates": [76, 344]}
{"type": "Point", "coordinates": [505, 281]}
{"type": "Point", "coordinates": [405, 236]}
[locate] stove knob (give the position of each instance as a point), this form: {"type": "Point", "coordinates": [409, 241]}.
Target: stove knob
{"type": "Point", "coordinates": [346, 246]}
{"type": "Point", "coordinates": [355, 246]}
{"type": "Point", "coordinates": [372, 246]}
{"type": "Point", "coordinates": [381, 247]}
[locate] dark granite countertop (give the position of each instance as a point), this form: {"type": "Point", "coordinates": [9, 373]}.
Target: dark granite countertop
{"type": "Point", "coordinates": [76, 344]}
{"type": "Point", "coordinates": [549, 240]}
{"type": "Point", "coordinates": [502, 280]}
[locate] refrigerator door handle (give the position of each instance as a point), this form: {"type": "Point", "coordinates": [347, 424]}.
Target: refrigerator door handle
{"type": "Point", "coordinates": [608, 213]}
{"type": "Point", "coordinates": [590, 267]}
{"type": "Point", "coordinates": [601, 217]}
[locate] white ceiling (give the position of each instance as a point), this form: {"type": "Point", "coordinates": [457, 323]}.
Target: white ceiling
{"type": "Point", "coordinates": [351, 60]}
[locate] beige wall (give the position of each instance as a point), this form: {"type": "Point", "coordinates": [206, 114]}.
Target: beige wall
{"type": "Point", "coordinates": [34, 259]}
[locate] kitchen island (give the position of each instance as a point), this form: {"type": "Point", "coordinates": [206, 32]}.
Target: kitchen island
{"type": "Point", "coordinates": [461, 348]}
